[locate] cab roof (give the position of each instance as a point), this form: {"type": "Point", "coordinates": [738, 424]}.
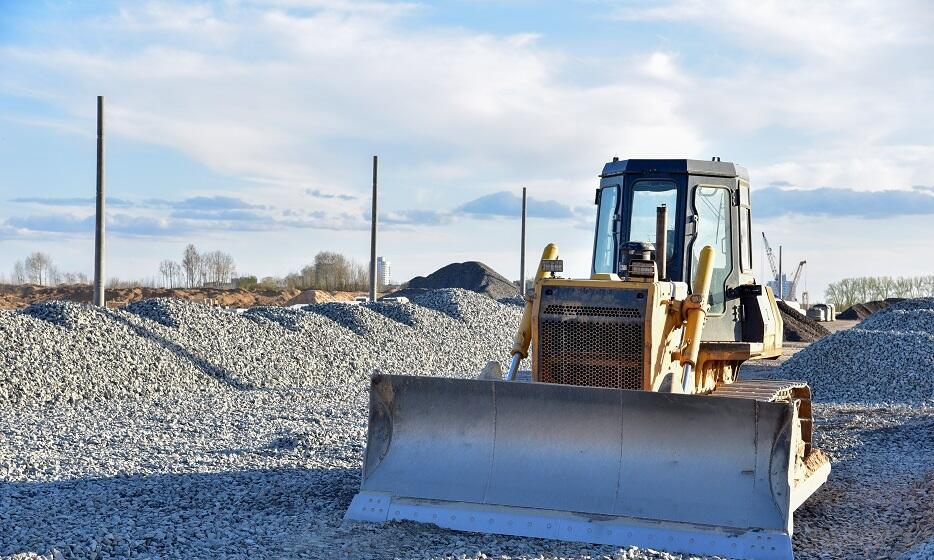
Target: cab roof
{"type": "Point", "coordinates": [686, 166]}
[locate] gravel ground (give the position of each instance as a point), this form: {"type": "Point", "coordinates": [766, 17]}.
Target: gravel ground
{"type": "Point", "coordinates": [171, 430]}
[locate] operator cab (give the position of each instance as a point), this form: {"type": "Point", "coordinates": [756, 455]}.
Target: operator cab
{"type": "Point", "coordinates": [707, 204]}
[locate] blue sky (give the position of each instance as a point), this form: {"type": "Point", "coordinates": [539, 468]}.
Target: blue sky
{"type": "Point", "coordinates": [249, 126]}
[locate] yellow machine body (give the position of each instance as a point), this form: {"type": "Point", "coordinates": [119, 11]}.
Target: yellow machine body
{"type": "Point", "coordinates": [654, 350]}
{"type": "Point", "coordinates": [633, 426]}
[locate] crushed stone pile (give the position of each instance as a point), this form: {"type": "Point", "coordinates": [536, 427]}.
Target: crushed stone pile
{"type": "Point", "coordinates": [860, 311]}
{"type": "Point", "coordinates": [65, 352]}
{"type": "Point", "coordinates": [798, 327]}
{"type": "Point", "coordinates": [471, 275]}
{"type": "Point", "coordinates": [888, 358]}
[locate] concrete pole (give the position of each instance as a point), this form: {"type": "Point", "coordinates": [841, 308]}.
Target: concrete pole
{"type": "Point", "coordinates": [522, 247]}
{"type": "Point", "coordinates": [373, 277]}
{"type": "Point", "coordinates": [99, 276]}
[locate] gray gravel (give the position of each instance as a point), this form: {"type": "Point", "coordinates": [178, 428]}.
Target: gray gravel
{"type": "Point", "coordinates": [64, 352]}
{"type": "Point", "coordinates": [888, 358]}
{"type": "Point", "coordinates": [170, 429]}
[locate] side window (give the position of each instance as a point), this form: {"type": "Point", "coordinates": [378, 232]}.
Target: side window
{"type": "Point", "coordinates": [712, 205]}
{"type": "Point", "coordinates": [604, 246]}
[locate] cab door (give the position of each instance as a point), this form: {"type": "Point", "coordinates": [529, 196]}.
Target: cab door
{"type": "Point", "coordinates": [713, 220]}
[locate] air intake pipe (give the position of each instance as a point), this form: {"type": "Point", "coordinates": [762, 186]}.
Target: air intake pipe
{"type": "Point", "coordinates": [695, 312]}
{"type": "Point", "coordinates": [520, 345]}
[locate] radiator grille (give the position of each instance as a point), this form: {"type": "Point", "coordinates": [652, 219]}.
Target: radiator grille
{"type": "Point", "coordinates": [593, 311]}
{"type": "Point", "coordinates": [592, 353]}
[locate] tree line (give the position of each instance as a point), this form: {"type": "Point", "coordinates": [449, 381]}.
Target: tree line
{"type": "Point", "coordinates": [214, 268]}
{"type": "Point", "coordinates": [38, 268]}
{"type": "Point", "coordinates": [850, 291]}
{"type": "Point", "coordinates": [329, 271]}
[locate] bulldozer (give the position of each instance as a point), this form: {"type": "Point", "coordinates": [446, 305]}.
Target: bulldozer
{"type": "Point", "coordinates": [633, 427]}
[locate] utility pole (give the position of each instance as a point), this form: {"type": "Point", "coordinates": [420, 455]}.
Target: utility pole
{"type": "Point", "coordinates": [373, 278]}
{"type": "Point", "coordinates": [522, 249]}
{"type": "Point", "coordinates": [99, 277]}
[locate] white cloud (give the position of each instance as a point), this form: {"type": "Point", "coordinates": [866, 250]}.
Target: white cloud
{"type": "Point", "coordinates": [847, 83]}
{"type": "Point", "coordinates": [298, 94]}
{"type": "Point", "coordinates": [290, 85]}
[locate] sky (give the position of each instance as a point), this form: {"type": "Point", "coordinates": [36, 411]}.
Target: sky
{"type": "Point", "coordinates": [250, 126]}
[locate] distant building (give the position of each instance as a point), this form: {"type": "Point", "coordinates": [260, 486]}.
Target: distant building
{"type": "Point", "coordinates": [785, 290]}
{"type": "Point", "coordinates": [382, 271]}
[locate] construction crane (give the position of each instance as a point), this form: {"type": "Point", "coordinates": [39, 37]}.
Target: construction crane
{"type": "Point", "coordinates": [771, 255]}
{"type": "Point", "coordinates": [794, 283]}
{"type": "Point", "coordinates": [632, 427]}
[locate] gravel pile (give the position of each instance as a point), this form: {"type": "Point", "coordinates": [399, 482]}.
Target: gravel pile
{"type": "Point", "coordinates": [860, 311]}
{"type": "Point", "coordinates": [62, 352]}
{"type": "Point", "coordinates": [888, 358]}
{"type": "Point", "coordinates": [472, 275]}
{"type": "Point", "coordinates": [799, 327]}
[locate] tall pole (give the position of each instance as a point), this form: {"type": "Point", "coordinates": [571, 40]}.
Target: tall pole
{"type": "Point", "coordinates": [522, 248]}
{"type": "Point", "coordinates": [99, 279]}
{"type": "Point", "coordinates": [373, 278]}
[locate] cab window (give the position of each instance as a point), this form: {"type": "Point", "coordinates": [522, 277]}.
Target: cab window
{"type": "Point", "coordinates": [712, 208]}
{"type": "Point", "coordinates": [647, 196]}
{"type": "Point", "coordinates": [604, 247]}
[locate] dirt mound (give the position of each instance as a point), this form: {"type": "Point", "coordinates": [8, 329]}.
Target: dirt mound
{"type": "Point", "coordinates": [311, 297]}
{"type": "Point", "coordinates": [16, 297]}
{"type": "Point", "coordinates": [472, 275]}
{"type": "Point", "coordinates": [799, 328]}
{"type": "Point", "coordinates": [860, 311]}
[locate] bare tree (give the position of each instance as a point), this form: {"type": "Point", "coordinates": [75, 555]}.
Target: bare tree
{"type": "Point", "coordinates": [74, 278]}
{"type": "Point", "coordinates": [171, 273]}
{"type": "Point", "coordinates": [191, 264]}
{"type": "Point", "coordinates": [38, 267]}
{"type": "Point", "coordinates": [19, 273]}
{"type": "Point", "coordinates": [175, 274]}
{"type": "Point", "coordinates": [217, 267]}
{"type": "Point", "coordinates": [165, 270]}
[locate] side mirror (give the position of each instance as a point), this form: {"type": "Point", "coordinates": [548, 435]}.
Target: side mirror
{"type": "Point", "coordinates": [596, 198]}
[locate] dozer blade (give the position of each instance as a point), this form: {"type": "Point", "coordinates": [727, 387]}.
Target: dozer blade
{"type": "Point", "coordinates": [684, 473]}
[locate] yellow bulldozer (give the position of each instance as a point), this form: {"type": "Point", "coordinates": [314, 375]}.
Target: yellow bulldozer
{"type": "Point", "coordinates": [634, 427]}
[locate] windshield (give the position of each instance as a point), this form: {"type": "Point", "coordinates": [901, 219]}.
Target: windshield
{"type": "Point", "coordinates": [604, 247]}
{"type": "Point", "coordinates": [647, 196]}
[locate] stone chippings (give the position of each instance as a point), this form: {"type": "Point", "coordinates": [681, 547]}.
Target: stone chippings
{"type": "Point", "coordinates": [887, 358]}
{"type": "Point", "coordinates": [175, 430]}
{"type": "Point", "coordinates": [61, 351]}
